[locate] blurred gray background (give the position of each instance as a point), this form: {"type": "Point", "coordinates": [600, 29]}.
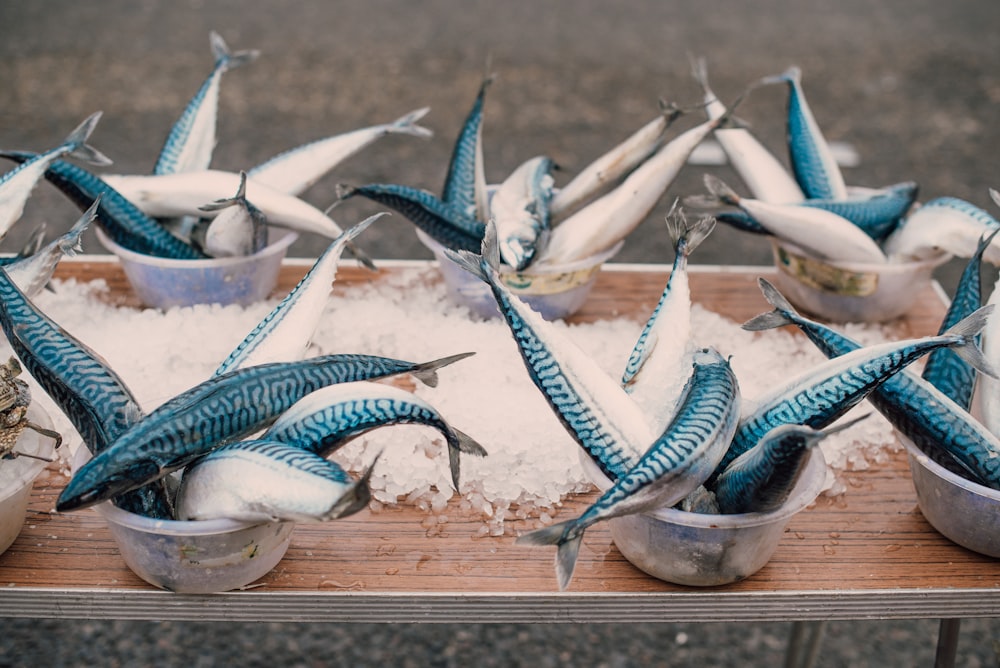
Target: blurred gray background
{"type": "Point", "coordinates": [913, 87]}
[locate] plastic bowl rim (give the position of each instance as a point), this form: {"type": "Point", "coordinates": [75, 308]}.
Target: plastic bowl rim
{"type": "Point", "coordinates": [889, 267]}
{"type": "Point", "coordinates": [280, 244]}
{"type": "Point", "coordinates": [933, 467]}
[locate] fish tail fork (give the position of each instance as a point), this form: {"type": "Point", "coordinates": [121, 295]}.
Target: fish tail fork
{"type": "Point", "coordinates": [76, 141]}
{"type": "Point", "coordinates": [567, 536]}
{"type": "Point", "coordinates": [966, 330]}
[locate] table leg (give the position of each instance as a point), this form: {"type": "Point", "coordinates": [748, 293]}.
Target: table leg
{"type": "Point", "coordinates": [947, 646]}
{"type": "Point", "coordinates": [803, 644]}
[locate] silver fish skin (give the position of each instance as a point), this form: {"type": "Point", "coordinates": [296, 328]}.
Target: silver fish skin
{"type": "Point", "coordinates": [17, 184]}
{"type": "Point", "coordinates": [944, 369]}
{"type": "Point", "coordinates": [762, 478]}
{"type": "Point", "coordinates": [609, 219]}
{"type": "Point", "coordinates": [816, 169]}
{"type": "Point", "coordinates": [32, 273]}
{"type": "Point", "coordinates": [238, 229]}
{"type": "Point", "coordinates": [520, 209]}
{"type": "Point", "coordinates": [220, 410]}
{"type": "Point", "coordinates": [184, 194]}
{"type": "Point", "coordinates": [660, 356]}
{"type": "Point", "coordinates": [296, 170]}
{"type": "Point", "coordinates": [191, 140]}
{"type": "Point", "coordinates": [592, 406]}
{"type": "Point", "coordinates": [820, 395]}
{"type": "Point", "coordinates": [324, 420]}
{"type": "Point", "coordinates": [942, 429]}
{"type": "Point", "coordinates": [944, 223]}
{"type": "Point", "coordinates": [284, 334]}
{"type": "Point", "coordinates": [677, 463]}
{"type": "Point", "coordinates": [268, 481]}
{"type": "Point", "coordinates": [986, 394]}
{"type": "Point", "coordinates": [764, 175]}
{"type": "Point", "coordinates": [822, 233]}
{"type": "Point", "coordinates": [611, 167]}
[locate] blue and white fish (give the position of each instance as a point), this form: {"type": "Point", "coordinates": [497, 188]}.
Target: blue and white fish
{"type": "Point", "coordinates": [238, 229]}
{"type": "Point", "coordinates": [220, 410]}
{"type": "Point", "coordinates": [944, 224]}
{"type": "Point", "coordinates": [121, 220]}
{"type": "Point", "coordinates": [813, 163]}
{"type": "Point", "coordinates": [944, 369]}
{"type": "Point", "coordinates": [822, 233]}
{"type": "Point", "coordinates": [324, 420]}
{"type": "Point", "coordinates": [591, 405]}
{"type": "Point", "coordinates": [184, 194]}
{"type": "Point", "coordinates": [762, 478]}
{"type": "Point", "coordinates": [32, 273]}
{"type": "Point", "coordinates": [656, 367]}
{"type": "Point", "coordinates": [609, 219]}
{"type": "Point", "coordinates": [425, 210]}
{"type": "Point", "coordinates": [937, 425]}
{"type": "Point", "coordinates": [284, 333]}
{"type": "Point", "coordinates": [191, 140]}
{"type": "Point", "coordinates": [464, 188]}
{"type": "Point", "coordinates": [877, 211]}
{"type": "Point", "coordinates": [520, 209]}
{"type": "Point", "coordinates": [86, 389]}
{"type": "Point", "coordinates": [268, 481]}
{"type": "Point", "coordinates": [677, 463]}
{"type": "Point", "coordinates": [296, 170]}
{"type": "Point", "coordinates": [17, 184]}
{"type": "Point", "coordinates": [612, 166]}
{"type": "Point", "coordinates": [764, 175]}
{"type": "Point", "coordinates": [818, 396]}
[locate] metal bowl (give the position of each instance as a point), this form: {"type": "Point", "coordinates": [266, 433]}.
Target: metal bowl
{"type": "Point", "coordinates": [163, 283]}
{"type": "Point", "coordinates": [194, 557]}
{"type": "Point", "coordinates": [850, 291]}
{"type": "Point", "coordinates": [703, 550]}
{"type": "Point", "coordinates": [555, 291]}
{"type": "Point", "coordinates": [962, 511]}
{"type": "Point", "coordinates": [18, 475]}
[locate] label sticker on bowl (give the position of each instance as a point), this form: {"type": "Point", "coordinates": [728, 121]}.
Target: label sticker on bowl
{"type": "Point", "coordinates": [822, 276]}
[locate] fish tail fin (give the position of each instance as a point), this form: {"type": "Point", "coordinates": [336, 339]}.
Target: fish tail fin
{"type": "Point", "coordinates": [459, 442]}
{"type": "Point", "coordinates": [685, 235]}
{"type": "Point", "coordinates": [344, 191]}
{"type": "Point", "coordinates": [426, 373]}
{"type": "Point", "coordinates": [226, 59]}
{"type": "Point", "coordinates": [793, 75]}
{"type": "Point", "coordinates": [995, 196]}
{"type": "Point", "coordinates": [567, 537]}
{"type": "Point", "coordinates": [408, 124]}
{"type": "Point", "coordinates": [671, 111]}
{"type": "Point", "coordinates": [966, 348]}
{"type": "Point", "coordinates": [722, 192]}
{"type": "Point", "coordinates": [469, 261]}
{"type": "Point", "coordinates": [71, 243]}
{"type": "Point", "coordinates": [783, 314]}
{"type": "Point", "coordinates": [699, 70]}
{"type": "Point", "coordinates": [984, 243]}
{"type": "Point", "coordinates": [77, 142]}
{"type": "Point", "coordinates": [483, 265]}
{"type": "Point", "coordinates": [34, 243]}
{"type": "Point", "coordinates": [355, 498]}
{"type": "Point", "coordinates": [241, 195]}
{"type": "Point", "coordinates": [467, 444]}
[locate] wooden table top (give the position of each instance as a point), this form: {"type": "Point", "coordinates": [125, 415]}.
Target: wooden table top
{"type": "Point", "coordinates": [865, 554]}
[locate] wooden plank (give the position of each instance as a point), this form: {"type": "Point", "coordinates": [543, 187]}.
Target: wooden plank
{"type": "Point", "coordinates": [867, 553]}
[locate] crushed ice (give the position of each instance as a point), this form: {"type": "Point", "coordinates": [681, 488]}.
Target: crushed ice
{"type": "Point", "coordinates": [532, 464]}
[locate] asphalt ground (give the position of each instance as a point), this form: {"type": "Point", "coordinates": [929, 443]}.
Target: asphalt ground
{"type": "Point", "coordinates": [912, 87]}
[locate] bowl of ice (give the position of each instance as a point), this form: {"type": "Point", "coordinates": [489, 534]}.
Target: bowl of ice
{"type": "Point", "coordinates": [198, 556]}
{"type": "Point", "coordinates": [707, 550]}
{"type": "Point", "coordinates": [961, 510]}
{"type": "Point", "coordinates": [554, 290]}
{"type": "Point", "coordinates": [18, 474]}
{"type": "Point", "coordinates": [165, 282]}
{"type": "Point", "coordinates": [851, 291]}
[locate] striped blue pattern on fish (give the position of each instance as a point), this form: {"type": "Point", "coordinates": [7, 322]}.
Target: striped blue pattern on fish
{"type": "Point", "coordinates": [937, 425]}
{"type": "Point", "coordinates": [459, 191]}
{"type": "Point", "coordinates": [944, 369]}
{"type": "Point", "coordinates": [191, 139]}
{"type": "Point", "coordinates": [121, 220]}
{"type": "Point", "coordinates": [427, 212]}
{"type": "Point", "coordinates": [812, 172]}
{"type": "Point", "coordinates": [966, 208]}
{"type": "Point", "coordinates": [675, 464]}
{"type": "Point", "coordinates": [295, 457]}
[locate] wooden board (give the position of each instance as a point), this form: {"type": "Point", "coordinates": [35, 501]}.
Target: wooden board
{"type": "Point", "coordinates": [865, 554]}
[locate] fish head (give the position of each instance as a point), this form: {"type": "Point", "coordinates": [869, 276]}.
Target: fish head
{"type": "Point", "coordinates": [98, 481]}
